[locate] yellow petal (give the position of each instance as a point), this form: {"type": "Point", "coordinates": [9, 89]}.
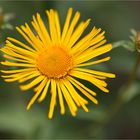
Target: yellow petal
{"type": "Point", "coordinates": [40, 88]}
{"type": "Point", "coordinates": [44, 93]}
{"type": "Point", "coordinates": [57, 23]}
{"type": "Point", "coordinates": [68, 99]}
{"type": "Point", "coordinates": [21, 44]}
{"type": "Point", "coordinates": [25, 36]}
{"type": "Point", "coordinates": [19, 50]}
{"type": "Point", "coordinates": [66, 25]}
{"type": "Point", "coordinates": [83, 44]}
{"type": "Point", "coordinates": [77, 33]}
{"type": "Point", "coordinates": [71, 28]}
{"type": "Point", "coordinates": [71, 91]}
{"type": "Point", "coordinates": [17, 71]}
{"type": "Point", "coordinates": [91, 48]}
{"type": "Point", "coordinates": [76, 96]}
{"type": "Point", "coordinates": [18, 76]}
{"type": "Point", "coordinates": [37, 43]}
{"type": "Point", "coordinates": [52, 26]}
{"type": "Point", "coordinates": [100, 73]}
{"type": "Point", "coordinates": [94, 62]}
{"type": "Point", "coordinates": [10, 51]}
{"type": "Point", "coordinates": [85, 93]}
{"type": "Point", "coordinates": [33, 83]}
{"type": "Point", "coordinates": [61, 101]}
{"type": "Point", "coordinates": [28, 77]}
{"type": "Point", "coordinates": [94, 53]}
{"type": "Point", "coordinates": [98, 83]}
{"type": "Point", "coordinates": [7, 63]}
{"type": "Point", "coordinates": [43, 32]}
{"type": "Point", "coordinates": [81, 85]}
{"type": "Point", "coordinates": [53, 99]}
{"type": "Point", "coordinates": [18, 59]}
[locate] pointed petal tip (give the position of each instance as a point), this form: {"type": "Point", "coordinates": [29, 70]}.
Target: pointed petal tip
{"type": "Point", "coordinates": [106, 91]}
{"type": "Point", "coordinates": [17, 28]}
{"type": "Point", "coordinates": [38, 15]}
{"type": "Point", "coordinates": [40, 100]}
{"type": "Point", "coordinates": [110, 45]}
{"type": "Point", "coordinates": [88, 20]}
{"type": "Point", "coordinates": [22, 88]}
{"type": "Point", "coordinates": [50, 116]}
{"type": "Point", "coordinates": [28, 107]}
{"type": "Point", "coordinates": [114, 75]}
{"type": "Point", "coordinates": [96, 102]}
{"type": "Point", "coordinates": [62, 112]}
{"type": "Point", "coordinates": [87, 110]}
{"type": "Point", "coordinates": [70, 8]}
{"type": "Point", "coordinates": [74, 115]}
{"type": "Point", "coordinates": [8, 38]}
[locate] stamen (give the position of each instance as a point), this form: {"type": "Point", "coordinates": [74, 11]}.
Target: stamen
{"type": "Point", "coordinates": [54, 62]}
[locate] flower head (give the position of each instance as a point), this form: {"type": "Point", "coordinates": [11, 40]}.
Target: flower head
{"type": "Point", "coordinates": [55, 60]}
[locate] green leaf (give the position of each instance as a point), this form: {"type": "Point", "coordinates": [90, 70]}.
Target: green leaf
{"type": "Point", "coordinates": [133, 32]}
{"type": "Point", "coordinates": [118, 44]}
{"type": "Point", "coordinates": [128, 45]}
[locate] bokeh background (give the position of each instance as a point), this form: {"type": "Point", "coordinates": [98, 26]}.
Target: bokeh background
{"type": "Point", "coordinates": [116, 18]}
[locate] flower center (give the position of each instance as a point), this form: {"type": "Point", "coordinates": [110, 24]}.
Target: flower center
{"type": "Point", "coordinates": [54, 62]}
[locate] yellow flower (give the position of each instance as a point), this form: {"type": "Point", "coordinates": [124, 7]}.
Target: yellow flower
{"type": "Point", "coordinates": [54, 61]}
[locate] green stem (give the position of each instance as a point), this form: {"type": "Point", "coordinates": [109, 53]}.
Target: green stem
{"type": "Point", "coordinates": [121, 97]}
{"type": "Point", "coordinates": [120, 100]}
{"type": "Point", "coordinates": [134, 72]}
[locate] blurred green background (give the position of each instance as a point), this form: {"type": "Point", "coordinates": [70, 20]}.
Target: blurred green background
{"type": "Point", "coordinates": [116, 18]}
